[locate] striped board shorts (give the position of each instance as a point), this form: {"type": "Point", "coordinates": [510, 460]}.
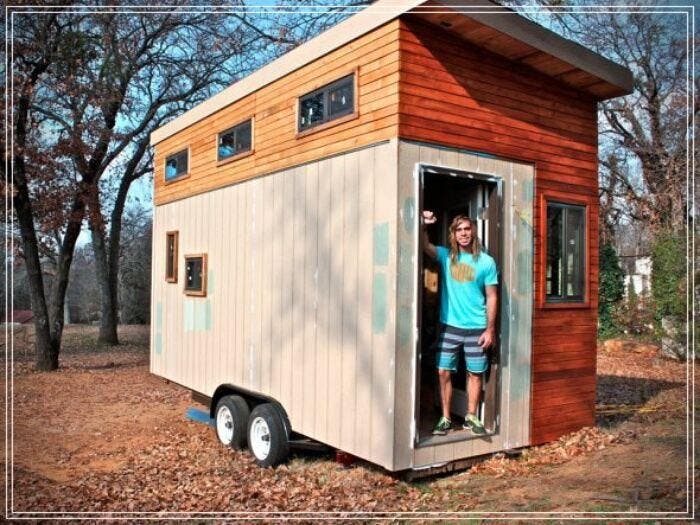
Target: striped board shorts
{"type": "Point", "coordinates": [451, 339]}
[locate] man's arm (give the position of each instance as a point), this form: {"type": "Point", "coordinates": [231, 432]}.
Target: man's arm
{"type": "Point", "coordinates": [488, 338]}
{"type": "Point", "coordinates": [428, 247]}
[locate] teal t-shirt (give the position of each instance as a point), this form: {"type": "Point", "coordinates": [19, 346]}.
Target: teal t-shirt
{"type": "Point", "coordinates": [462, 288]}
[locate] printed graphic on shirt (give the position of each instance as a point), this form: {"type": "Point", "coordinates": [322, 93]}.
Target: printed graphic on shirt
{"type": "Point", "coordinates": [462, 272]}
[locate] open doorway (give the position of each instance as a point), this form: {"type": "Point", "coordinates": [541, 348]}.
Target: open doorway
{"type": "Point", "coordinates": [448, 193]}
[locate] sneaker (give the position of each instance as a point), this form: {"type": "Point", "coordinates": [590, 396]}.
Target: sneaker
{"type": "Point", "coordinates": [472, 423]}
{"type": "Point", "coordinates": [443, 426]}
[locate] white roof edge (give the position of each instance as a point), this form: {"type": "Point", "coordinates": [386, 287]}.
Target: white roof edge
{"type": "Point", "coordinates": [369, 18]}
{"type": "Point", "coordinates": [508, 21]}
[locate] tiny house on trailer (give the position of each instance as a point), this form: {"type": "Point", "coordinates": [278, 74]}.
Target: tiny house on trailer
{"type": "Point", "coordinates": [289, 288]}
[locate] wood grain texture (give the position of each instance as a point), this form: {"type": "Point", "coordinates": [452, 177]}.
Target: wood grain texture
{"type": "Point", "coordinates": [375, 58]}
{"type": "Point", "coordinates": [456, 94]}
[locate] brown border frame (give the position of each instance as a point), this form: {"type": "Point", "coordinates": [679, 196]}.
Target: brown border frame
{"type": "Point", "coordinates": [335, 122]}
{"type": "Point", "coordinates": [203, 291]}
{"type": "Point", "coordinates": [240, 155]}
{"type": "Point", "coordinates": [176, 235]}
{"type": "Point", "coordinates": [575, 200]}
{"type": "Point", "coordinates": [172, 152]}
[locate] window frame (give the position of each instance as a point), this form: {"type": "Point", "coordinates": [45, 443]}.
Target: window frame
{"type": "Point", "coordinates": [175, 235]}
{"type": "Point", "coordinates": [182, 176]}
{"type": "Point", "coordinates": [325, 89]}
{"type": "Point", "coordinates": [202, 292]}
{"type": "Point", "coordinates": [241, 154]}
{"type": "Point", "coordinates": [543, 301]}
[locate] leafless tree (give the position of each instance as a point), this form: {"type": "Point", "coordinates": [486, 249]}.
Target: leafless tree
{"type": "Point", "coordinates": [89, 86]}
{"type": "Point", "coordinates": [644, 146]}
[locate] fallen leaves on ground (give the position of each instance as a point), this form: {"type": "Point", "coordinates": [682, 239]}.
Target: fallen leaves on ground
{"type": "Point", "coordinates": [104, 435]}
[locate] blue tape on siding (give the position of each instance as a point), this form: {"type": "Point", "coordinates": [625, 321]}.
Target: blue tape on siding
{"type": "Point", "coordinates": [207, 316]}
{"type": "Point", "coordinates": [405, 325]}
{"type": "Point", "coordinates": [409, 210]}
{"type": "Point", "coordinates": [200, 416]}
{"type": "Point", "coordinates": [381, 244]}
{"type": "Point", "coordinates": [211, 287]}
{"type": "Point", "coordinates": [159, 315]}
{"type": "Point", "coordinates": [159, 343]}
{"type": "Point", "coordinates": [197, 315]}
{"type": "Point", "coordinates": [379, 310]}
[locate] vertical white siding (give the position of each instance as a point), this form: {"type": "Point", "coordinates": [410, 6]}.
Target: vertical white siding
{"type": "Point", "coordinates": [292, 310]}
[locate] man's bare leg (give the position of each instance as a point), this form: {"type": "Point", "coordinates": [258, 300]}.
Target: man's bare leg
{"type": "Point", "coordinates": [445, 391]}
{"type": "Point", "coordinates": [474, 392]}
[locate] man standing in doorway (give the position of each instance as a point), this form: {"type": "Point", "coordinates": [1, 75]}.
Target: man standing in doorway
{"type": "Point", "coordinates": [468, 304]}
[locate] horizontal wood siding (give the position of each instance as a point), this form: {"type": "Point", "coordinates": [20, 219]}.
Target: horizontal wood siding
{"type": "Point", "coordinates": [456, 94]}
{"type": "Point", "coordinates": [375, 58]}
{"type": "Point", "coordinates": [295, 306]}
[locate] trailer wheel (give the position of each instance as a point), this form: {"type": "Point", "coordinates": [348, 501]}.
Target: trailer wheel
{"type": "Point", "coordinates": [232, 414]}
{"type": "Point", "coordinates": [267, 437]}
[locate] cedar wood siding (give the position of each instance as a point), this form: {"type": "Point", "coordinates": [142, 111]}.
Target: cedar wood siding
{"type": "Point", "coordinates": [375, 57]}
{"type": "Point", "coordinates": [459, 95]}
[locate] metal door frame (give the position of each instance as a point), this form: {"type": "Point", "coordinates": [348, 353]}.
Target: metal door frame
{"type": "Point", "coordinates": [420, 169]}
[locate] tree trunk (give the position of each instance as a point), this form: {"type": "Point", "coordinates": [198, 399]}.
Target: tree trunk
{"type": "Point", "coordinates": [107, 253]}
{"type": "Point", "coordinates": [108, 299]}
{"type": "Point", "coordinates": [47, 347]}
{"type": "Point", "coordinates": [46, 350]}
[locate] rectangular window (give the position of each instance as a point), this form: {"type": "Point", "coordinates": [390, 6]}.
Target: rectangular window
{"type": "Point", "coordinates": [171, 257]}
{"type": "Point", "coordinates": [330, 102]}
{"type": "Point", "coordinates": [196, 274]}
{"type": "Point", "coordinates": [176, 165]}
{"type": "Point", "coordinates": [235, 140]}
{"type": "Point", "coordinates": [566, 252]}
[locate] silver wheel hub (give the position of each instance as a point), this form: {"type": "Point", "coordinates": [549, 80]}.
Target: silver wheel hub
{"type": "Point", "coordinates": [224, 425]}
{"type": "Point", "coordinates": [259, 438]}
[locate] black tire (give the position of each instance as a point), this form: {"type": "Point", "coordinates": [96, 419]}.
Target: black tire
{"type": "Point", "coordinates": [267, 435]}
{"type": "Point", "coordinates": [238, 414]}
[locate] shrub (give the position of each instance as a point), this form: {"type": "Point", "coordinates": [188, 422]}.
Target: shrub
{"type": "Point", "coordinates": [668, 276]}
{"type": "Point", "coordinates": [611, 288]}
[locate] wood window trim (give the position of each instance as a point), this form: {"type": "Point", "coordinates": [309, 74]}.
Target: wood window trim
{"type": "Point", "coordinates": [203, 291]}
{"type": "Point", "coordinates": [541, 299]}
{"type": "Point", "coordinates": [242, 154]}
{"type": "Point", "coordinates": [175, 234]}
{"type": "Point", "coordinates": [335, 122]}
{"type": "Point", "coordinates": [185, 175]}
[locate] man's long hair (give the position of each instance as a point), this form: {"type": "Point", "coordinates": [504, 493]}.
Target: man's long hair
{"type": "Point", "coordinates": [475, 244]}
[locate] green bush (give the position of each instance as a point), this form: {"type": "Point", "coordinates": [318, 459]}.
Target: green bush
{"type": "Point", "coordinates": [668, 276]}
{"type": "Point", "coordinates": [611, 288]}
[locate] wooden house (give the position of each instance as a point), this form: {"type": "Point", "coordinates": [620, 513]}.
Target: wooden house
{"type": "Point", "coordinates": [289, 289]}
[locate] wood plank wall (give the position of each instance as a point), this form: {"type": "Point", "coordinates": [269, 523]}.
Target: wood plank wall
{"type": "Point", "coordinates": [375, 56]}
{"type": "Point", "coordinates": [456, 94]}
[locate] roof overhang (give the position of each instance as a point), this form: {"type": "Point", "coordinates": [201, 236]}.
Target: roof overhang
{"type": "Point", "coordinates": [506, 33]}
{"type": "Point", "coordinates": [481, 22]}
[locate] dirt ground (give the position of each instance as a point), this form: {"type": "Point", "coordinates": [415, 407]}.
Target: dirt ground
{"type": "Point", "coordinates": [102, 435]}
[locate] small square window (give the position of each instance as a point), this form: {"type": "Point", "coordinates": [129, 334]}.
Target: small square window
{"type": "Point", "coordinates": [176, 165]}
{"type": "Point", "coordinates": [330, 102]}
{"type": "Point", "coordinates": [171, 257]}
{"type": "Point", "coordinates": [566, 252]}
{"type": "Point", "coordinates": [235, 140]}
{"type": "Point", "coordinates": [196, 274]}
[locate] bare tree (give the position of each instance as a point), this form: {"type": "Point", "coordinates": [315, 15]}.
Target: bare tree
{"type": "Point", "coordinates": [643, 153]}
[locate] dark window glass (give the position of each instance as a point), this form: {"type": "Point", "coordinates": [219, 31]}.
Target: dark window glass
{"type": "Point", "coordinates": [566, 253]}
{"type": "Point", "coordinates": [235, 140]}
{"type": "Point", "coordinates": [327, 103]}
{"type": "Point", "coordinates": [194, 274]}
{"type": "Point", "coordinates": [176, 165]}
{"type": "Point", "coordinates": [171, 257]}
{"type": "Point", "coordinates": [341, 100]}
{"type": "Point", "coordinates": [311, 111]}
